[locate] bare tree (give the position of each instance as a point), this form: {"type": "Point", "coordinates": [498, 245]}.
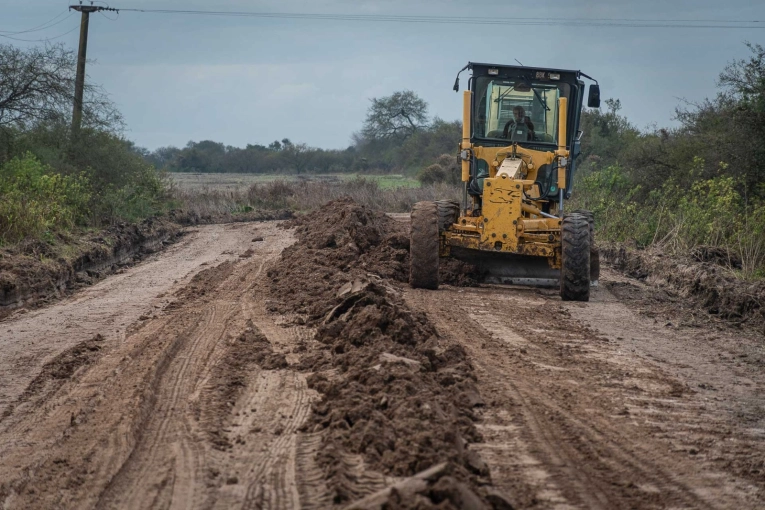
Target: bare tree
{"type": "Point", "coordinates": [397, 116]}
{"type": "Point", "coordinates": [37, 85]}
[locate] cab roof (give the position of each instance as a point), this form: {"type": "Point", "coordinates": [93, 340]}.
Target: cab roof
{"type": "Point", "coordinates": [478, 66]}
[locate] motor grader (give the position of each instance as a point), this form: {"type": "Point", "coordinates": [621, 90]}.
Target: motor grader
{"type": "Point", "coordinates": [520, 142]}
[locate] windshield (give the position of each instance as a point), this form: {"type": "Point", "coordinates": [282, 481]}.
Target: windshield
{"type": "Point", "coordinates": [517, 110]}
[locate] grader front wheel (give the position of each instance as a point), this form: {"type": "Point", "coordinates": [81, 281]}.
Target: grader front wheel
{"type": "Point", "coordinates": [423, 246]}
{"type": "Point", "coordinates": [575, 258]}
{"type": "Point", "coordinates": [594, 252]}
{"type": "Point", "coordinates": [448, 212]}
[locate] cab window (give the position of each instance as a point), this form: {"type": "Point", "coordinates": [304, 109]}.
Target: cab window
{"type": "Point", "coordinates": [517, 110]}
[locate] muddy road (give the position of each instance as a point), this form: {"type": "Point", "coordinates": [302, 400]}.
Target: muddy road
{"type": "Point", "coordinates": [213, 375]}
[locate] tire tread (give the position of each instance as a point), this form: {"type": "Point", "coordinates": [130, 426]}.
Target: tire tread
{"type": "Point", "coordinates": [575, 258]}
{"type": "Point", "coordinates": [423, 246]}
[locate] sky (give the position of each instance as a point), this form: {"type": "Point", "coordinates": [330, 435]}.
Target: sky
{"type": "Point", "coordinates": [245, 80]}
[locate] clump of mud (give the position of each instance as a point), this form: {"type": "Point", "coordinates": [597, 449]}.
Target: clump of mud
{"type": "Point", "coordinates": [204, 282]}
{"type": "Point", "coordinates": [66, 364]}
{"type": "Point", "coordinates": [704, 277]}
{"type": "Point", "coordinates": [393, 391]}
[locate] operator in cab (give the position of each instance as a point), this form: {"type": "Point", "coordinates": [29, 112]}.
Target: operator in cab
{"type": "Point", "coordinates": [519, 119]}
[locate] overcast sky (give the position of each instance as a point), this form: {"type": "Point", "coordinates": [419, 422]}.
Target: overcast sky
{"type": "Point", "coordinates": [251, 80]}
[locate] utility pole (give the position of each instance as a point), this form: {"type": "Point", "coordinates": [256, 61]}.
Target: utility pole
{"type": "Point", "coordinates": [79, 84]}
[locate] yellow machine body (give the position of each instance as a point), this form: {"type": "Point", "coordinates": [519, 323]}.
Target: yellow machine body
{"type": "Point", "coordinates": [510, 220]}
{"type": "Point", "coordinates": [520, 142]}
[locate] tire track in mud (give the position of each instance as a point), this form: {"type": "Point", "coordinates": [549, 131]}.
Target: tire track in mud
{"type": "Point", "coordinates": [555, 421]}
{"type": "Point", "coordinates": [271, 475]}
{"type": "Point", "coordinates": [182, 463]}
{"type": "Point", "coordinates": [32, 338]}
{"type": "Point", "coordinates": [141, 443]}
{"type": "Point", "coordinates": [168, 438]}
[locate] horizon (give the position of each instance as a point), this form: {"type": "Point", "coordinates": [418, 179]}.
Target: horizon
{"type": "Point", "coordinates": [240, 80]}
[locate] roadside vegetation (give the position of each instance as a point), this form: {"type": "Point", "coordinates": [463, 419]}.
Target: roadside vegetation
{"type": "Point", "coordinates": [308, 195]}
{"type": "Point", "coordinates": [699, 184]}
{"type": "Point", "coordinates": [49, 183]}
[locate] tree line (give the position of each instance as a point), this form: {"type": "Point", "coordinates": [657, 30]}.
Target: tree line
{"type": "Point", "coordinates": [397, 135]}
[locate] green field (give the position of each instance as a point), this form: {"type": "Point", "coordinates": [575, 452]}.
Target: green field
{"type": "Point", "coordinates": [240, 182]}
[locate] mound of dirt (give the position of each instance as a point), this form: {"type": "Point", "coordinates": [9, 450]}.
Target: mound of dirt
{"type": "Point", "coordinates": [203, 282]}
{"type": "Point", "coordinates": [392, 389]}
{"type": "Point", "coordinates": [702, 277]}
{"type": "Point", "coordinates": [344, 241]}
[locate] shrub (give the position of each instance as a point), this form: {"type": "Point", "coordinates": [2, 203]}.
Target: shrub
{"type": "Point", "coordinates": [711, 212]}
{"type": "Point", "coordinates": [432, 174]}
{"type": "Point", "coordinates": [270, 195]}
{"type": "Point", "coordinates": [36, 200]}
{"type": "Point", "coordinates": [143, 193]}
{"type": "Point", "coordinates": [447, 169]}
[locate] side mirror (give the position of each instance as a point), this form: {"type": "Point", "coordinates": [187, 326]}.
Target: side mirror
{"type": "Point", "coordinates": [457, 84]}
{"type": "Point", "coordinates": [593, 98]}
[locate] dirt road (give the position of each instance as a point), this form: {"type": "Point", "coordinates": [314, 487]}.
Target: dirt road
{"type": "Point", "coordinates": [177, 384]}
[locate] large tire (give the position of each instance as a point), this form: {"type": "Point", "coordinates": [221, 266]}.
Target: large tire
{"type": "Point", "coordinates": [575, 258]}
{"type": "Point", "coordinates": [448, 213]}
{"type": "Point", "coordinates": [423, 246]}
{"type": "Point", "coordinates": [594, 251]}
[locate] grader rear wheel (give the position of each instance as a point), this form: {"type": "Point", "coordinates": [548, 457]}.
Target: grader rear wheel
{"type": "Point", "coordinates": [423, 246]}
{"type": "Point", "coordinates": [575, 258]}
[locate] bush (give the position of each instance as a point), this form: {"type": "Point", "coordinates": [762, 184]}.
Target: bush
{"type": "Point", "coordinates": [37, 201]}
{"type": "Point", "coordinates": [270, 195]}
{"type": "Point", "coordinates": [143, 193]}
{"type": "Point", "coordinates": [447, 169]}
{"type": "Point", "coordinates": [432, 174]}
{"type": "Point", "coordinates": [711, 212]}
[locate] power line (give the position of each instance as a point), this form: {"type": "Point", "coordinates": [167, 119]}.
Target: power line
{"type": "Point", "coordinates": [598, 22]}
{"type": "Point", "coordinates": [44, 26]}
{"type": "Point", "coordinates": [107, 17]}
{"type": "Point", "coordinates": [41, 40]}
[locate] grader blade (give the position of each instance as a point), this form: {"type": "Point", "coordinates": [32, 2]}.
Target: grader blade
{"type": "Point", "coordinates": [510, 269]}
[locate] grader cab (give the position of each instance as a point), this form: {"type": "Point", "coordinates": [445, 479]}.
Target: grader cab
{"type": "Point", "coordinates": [520, 142]}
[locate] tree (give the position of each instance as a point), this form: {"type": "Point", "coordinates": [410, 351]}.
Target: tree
{"type": "Point", "coordinates": [37, 85]}
{"type": "Point", "coordinates": [162, 157]}
{"type": "Point", "coordinates": [730, 128]}
{"type": "Point", "coordinates": [298, 155]}
{"type": "Point", "coordinates": [395, 117]}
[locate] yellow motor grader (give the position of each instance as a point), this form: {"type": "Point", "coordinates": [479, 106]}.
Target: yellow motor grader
{"type": "Point", "coordinates": [520, 142]}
